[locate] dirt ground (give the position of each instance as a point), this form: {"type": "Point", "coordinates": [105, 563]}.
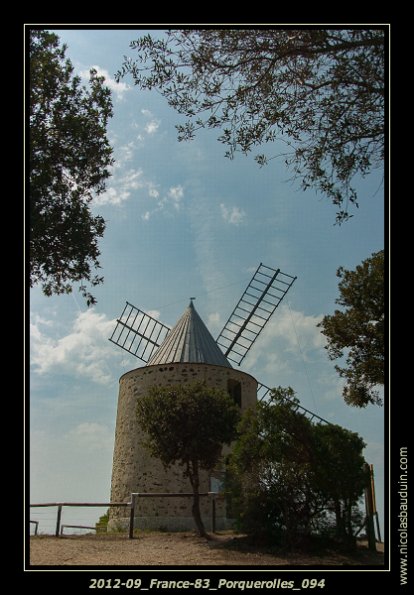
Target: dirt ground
{"type": "Point", "coordinates": [176, 549]}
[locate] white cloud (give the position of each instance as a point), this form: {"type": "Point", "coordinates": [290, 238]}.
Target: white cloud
{"type": "Point", "coordinates": [118, 89]}
{"type": "Point", "coordinates": [214, 322]}
{"type": "Point", "coordinates": [154, 313]}
{"type": "Point", "coordinates": [296, 328]}
{"type": "Point", "coordinates": [121, 187]}
{"type": "Point", "coordinates": [232, 215]}
{"type": "Point", "coordinates": [152, 124]}
{"type": "Point", "coordinates": [85, 350]}
{"type": "Point", "coordinates": [125, 182]}
{"type": "Point", "coordinates": [172, 198]}
{"type": "Point", "coordinates": [275, 362]}
{"type": "Point", "coordinates": [152, 191]}
{"type": "Point", "coordinates": [125, 153]}
{"type": "Point", "coordinates": [35, 324]}
{"type": "Point", "coordinates": [208, 252]}
{"type": "Point", "coordinates": [214, 318]}
{"type": "Point", "coordinates": [132, 180]}
{"type": "Point", "coordinates": [176, 193]}
{"type": "Point", "coordinates": [288, 331]}
{"type": "Point", "coordinates": [112, 196]}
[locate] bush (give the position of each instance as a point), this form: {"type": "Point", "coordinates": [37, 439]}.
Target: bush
{"type": "Point", "coordinates": [102, 524]}
{"type": "Point", "coordinates": [290, 479]}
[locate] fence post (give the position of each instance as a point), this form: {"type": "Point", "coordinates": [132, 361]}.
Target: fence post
{"type": "Point", "coordinates": [132, 516]}
{"type": "Point", "coordinates": [59, 515]}
{"type": "Point", "coordinates": [374, 502]}
{"type": "Point", "coordinates": [369, 507]}
{"type": "Point", "coordinates": [213, 514]}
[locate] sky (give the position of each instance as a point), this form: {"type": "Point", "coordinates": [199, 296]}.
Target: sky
{"type": "Point", "coordinates": [183, 221]}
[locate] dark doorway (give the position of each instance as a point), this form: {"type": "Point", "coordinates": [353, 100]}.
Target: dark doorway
{"type": "Point", "coordinates": [234, 390]}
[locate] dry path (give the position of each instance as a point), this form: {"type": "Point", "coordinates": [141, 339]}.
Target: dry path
{"type": "Point", "coordinates": [173, 549]}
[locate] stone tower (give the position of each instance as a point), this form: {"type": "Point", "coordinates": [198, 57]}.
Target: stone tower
{"type": "Point", "coordinates": [188, 354]}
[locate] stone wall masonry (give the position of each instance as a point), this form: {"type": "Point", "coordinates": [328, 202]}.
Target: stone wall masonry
{"type": "Point", "coordinates": [134, 470]}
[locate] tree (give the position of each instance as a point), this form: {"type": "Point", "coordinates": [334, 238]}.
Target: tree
{"type": "Point", "coordinates": [188, 425]}
{"type": "Point", "coordinates": [340, 475]}
{"type": "Point", "coordinates": [269, 469]}
{"type": "Point", "coordinates": [288, 477]}
{"type": "Point", "coordinates": [101, 525]}
{"type": "Point", "coordinates": [70, 157]}
{"type": "Point", "coordinates": [359, 330]}
{"type": "Point", "coordinates": [319, 91]}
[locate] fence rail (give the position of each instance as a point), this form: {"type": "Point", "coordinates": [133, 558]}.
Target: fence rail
{"type": "Point", "coordinates": [81, 504]}
{"type": "Point", "coordinates": [76, 527]}
{"type": "Point", "coordinates": [132, 505]}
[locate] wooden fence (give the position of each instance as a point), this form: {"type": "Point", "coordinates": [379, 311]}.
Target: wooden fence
{"type": "Point", "coordinates": [36, 524]}
{"type": "Point", "coordinates": [76, 527]}
{"type": "Point", "coordinates": [132, 505]}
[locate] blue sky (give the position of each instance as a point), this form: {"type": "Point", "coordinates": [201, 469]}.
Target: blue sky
{"type": "Point", "coordinates": [182, 220]}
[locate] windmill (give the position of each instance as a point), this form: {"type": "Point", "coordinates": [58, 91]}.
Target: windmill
{"type": "Point", "coordinates": [187, 352]}
{"type": "Point", "coordinates": [141, 335]}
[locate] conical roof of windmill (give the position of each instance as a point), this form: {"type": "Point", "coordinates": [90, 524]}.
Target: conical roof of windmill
{"type": "Point", "coordinates": [189, 341]}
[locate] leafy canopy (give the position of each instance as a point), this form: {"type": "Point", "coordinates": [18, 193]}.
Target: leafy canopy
{"type": "Point", "coordinates": [358, 330]}
{"type": "Point", "coordinates": [70, 157]}
{"type": "Point", "coordinates": [188, 424]}
{"type": "Point", "coordinates": [320, 92]}
{"type": "Point", "coordinates": [290, 478]}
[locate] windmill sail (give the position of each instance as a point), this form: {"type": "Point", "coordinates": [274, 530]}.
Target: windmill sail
{"type": "Point", "coordinates": [138, 333]}
{"type": "Point", "coordinates": [260, 299]}
{"type": "Point", "coordinates": [263, 391]}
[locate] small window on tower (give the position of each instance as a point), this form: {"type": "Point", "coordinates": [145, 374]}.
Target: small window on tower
{"type": "Point", "coordinates": [234, 390]}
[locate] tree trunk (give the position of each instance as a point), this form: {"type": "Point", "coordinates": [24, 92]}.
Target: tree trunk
{"type": "Point", "coordinates": [351, 539]}
{"type": "Point", "coordinates": [195, 483]}
{"type": "Point", "coordinates": [339, 520]}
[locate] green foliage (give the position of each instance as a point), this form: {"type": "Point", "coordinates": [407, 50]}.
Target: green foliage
{"type": "Point", "coordinates": [359, 330]}
{"type": "Point", "coordinates": [70, 158]}
{"type": "Point", "coordinates": [102, 524]}
{"type": "Point", "coordinates": [340, 476]}
{"type": "Point", "coordinates": [188, 424]}
{"type": "Point", "coordinates": [289, 478]}
{"type": "Point", "coordinates": [320, 91]}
